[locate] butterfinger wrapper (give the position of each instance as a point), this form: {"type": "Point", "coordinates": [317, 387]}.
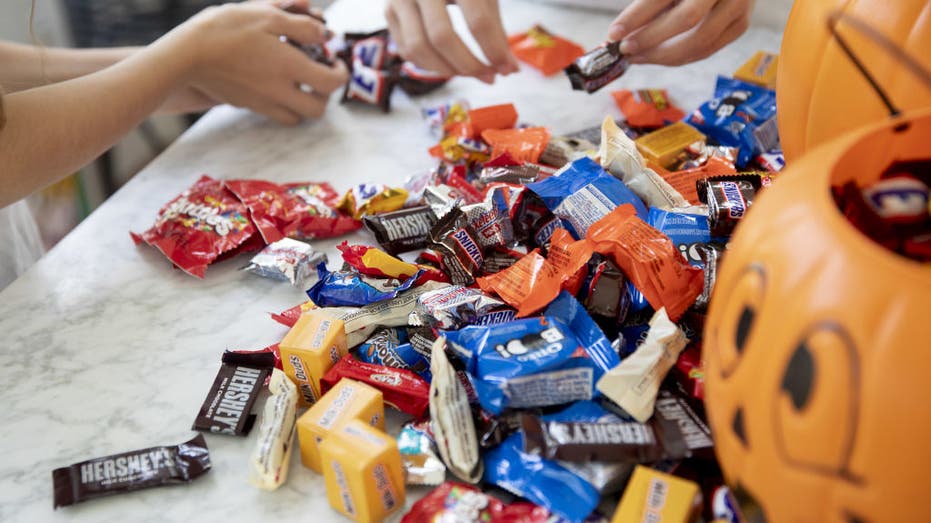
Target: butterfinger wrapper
{"type": "Point", "coordinates": [452, 418]}
{"type": "Point", "coordinates": [268, 466]}
{"type": "Point", "coordinates": [597, 68]}
{"type": "Point", "coordinates": [401, 231]}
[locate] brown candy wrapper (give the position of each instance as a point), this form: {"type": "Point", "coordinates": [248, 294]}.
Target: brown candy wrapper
{"type": "Point", "coordinates": [152, 467]}
{"type": "Point", "coordinates": [597, 68]}
{"type": "Point", "coordinates": [401, 231]}
{"type": "Point", "coordinates": [728, 199]}
{"type": "Point", "coordinates": [227, 409]}
{"type": "Point", "coordinates": [463, 254]}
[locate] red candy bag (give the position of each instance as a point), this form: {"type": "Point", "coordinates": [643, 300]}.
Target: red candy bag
{"type": "Point", "coordinates": [315, 215]}
{"type": "Point", "coordinates": [454, 502]}
{"type": "Point", "coordinates": [649, 108]}
{"type": "Point", "coordinates": [544, 50]}
{"type": "Point", "coordinates": [196, 228]}
{"type": "Point", "coordinates": [270, 207]}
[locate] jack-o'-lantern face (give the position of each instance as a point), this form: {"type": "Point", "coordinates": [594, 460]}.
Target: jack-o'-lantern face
{"type": "Point", "coordinates": [818, 349]}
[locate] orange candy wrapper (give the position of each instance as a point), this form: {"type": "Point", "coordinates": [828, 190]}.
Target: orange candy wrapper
{"type": "Point", "coordinates": [649, 258]}
{"type": "Point", "coordinates": [534, 281]}
{"type": "Point", "coordinates": [647, 107]}
{"type": "Point", "coordinates": [684, 181]}
{"type": "Point", "coordinates": [544, 51]}
{"type": "Point", "coordinates": [524, 145]}
{"type": "Point", "coordinates": [502, 116]}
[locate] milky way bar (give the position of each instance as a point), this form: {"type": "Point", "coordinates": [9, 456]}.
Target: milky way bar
{"type": "Point", "coordinates": [128, 471]}
{"type": "Point", "coordinates": [228, 406]}
{"type": "Point", "coordinates": [401, 231]}
{"type": "Point", "coordinates": [597, 68]}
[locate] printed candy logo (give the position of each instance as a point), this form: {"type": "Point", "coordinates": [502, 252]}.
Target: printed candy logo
{"type": "Point", "coordinates": [533, 345]}
{"type": "Point", "coordinates": [732, 195]}
{"type": "Point", "coordinates": [222, 224]}
{"type": "Point", "coordinates": [469, 246]}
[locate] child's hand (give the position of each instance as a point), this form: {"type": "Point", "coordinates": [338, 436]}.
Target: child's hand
{"type": "Point", "coordinates": [674, 32]}
{"type": "Point", "coordinates": [424, 35]}
{"type": "Point", "coordinates": [235, 55]}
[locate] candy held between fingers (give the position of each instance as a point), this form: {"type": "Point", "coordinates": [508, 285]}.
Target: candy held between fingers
{"type": "Point", "coordinates": [597, 68]}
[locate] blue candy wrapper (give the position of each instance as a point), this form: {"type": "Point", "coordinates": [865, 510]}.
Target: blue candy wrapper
{"type": "Point", "coordinates": [351, 289]}
{"type": "Point", "coordinates": [536, 362]}
{"type": "Point", "coordinates": [582, 193]}
{"type": "Point", "coordinates": [541, 481]}
{"type": "Point", "coordinates": [740, 115]}
{"type": "Point", "coordinates": [389, 347]}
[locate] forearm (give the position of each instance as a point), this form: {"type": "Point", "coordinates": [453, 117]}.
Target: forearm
{"type": "Point", "coordinates": [54, 130]}
{"type": "Point", "coordinates": [27, 66]}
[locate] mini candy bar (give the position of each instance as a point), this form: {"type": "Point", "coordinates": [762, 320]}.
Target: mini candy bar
{"type": "Point", "coordinates": [422, 339]}
{"type": "Point", "coordinates": [268, 466]}
{"type": "Point", "coordinates": [654, 496]}
{"type": "Point", "coordinates": [649, 259]}
{"type": "Point", "coordinates": [524, 145]}
{"type": "Point", "coordinates": [710, 256]}
{"type": "Point", "coordinates": [401, 231]}
{"type": "Point", "coordinates": [562, 149]}
{"type": "Point", "coordinates": [416, 81]}
{"type": "Point", "coordinates": [369, 86]}
{"type": "Point", "coordinates": [348, 400]}
{"type": "Point", "coordinates": [503, 116]}
{"type": "Point", "coordinates": [451, 414]}
{"type": "Point", "coordinates": [152, 467]}
{"type": "Point", "coordinates": [664, 145]}
{"type": "Point", "coordinates": [286, 260]}
{"type": "Point", "coordinates": [454, 502]}
{"type": "Point", "coordinates": [316, 215]}
{"type": "Point", "coordinates": [684, 181]}
{"type": "Point", "coordinates": [389, 347]}
{"type": "Point", "coordinates": [603, 441]}
{"type": "Point", "coordinates": [605, 290]}
{"type": "Point", "coordinates": [418, 454]}
{"type": "Point", "coordinates": [203, 223]}
{"type": "Point", "coordinates": [728, 199]}
{"type": "Point", "coordinates": [673, 408]}
{"type": "Point", "coordinates": [372, 198]}
{"type": "Point", "coordinates": [582, 193]}
{"type": "Point", "coordinates": [772, 161]}
{"type": "Point", "coordinates": [518, 174]}
{"type": "Point", "coordinates": [634, 383]}
{"type": "Point", "coordinates": [454, 307]}
{"type": "Point", "coordinates": [760, 69]}
{"type": "Point", "coordinates": [454, 239]}
{"type": "Point", "coordinates": [313, 345]}
{"type": "Point", "coordinates": [363, 473]}
{"type": "Point", "coordinates": [597, 68]}
{"type": "Point", "coordinates": [649, 108]}
{"type": "Point", "coordinates": [500, 258]}
{"type": "Point", "coordinates": [544, 51]}
{"type": "Point", "coordinates": [228, 406]}
{"type": "Point", "coordinates": [374, 262]}
{"type": "Point", "coordinates": [336, 289]}
{"type": "Point", "coordinates": [400, 388]}
{"type": "Point", "coordinates": [491, 219]}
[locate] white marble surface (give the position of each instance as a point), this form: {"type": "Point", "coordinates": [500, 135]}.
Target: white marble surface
{"type": "Point", "coordinates": [105, 348]}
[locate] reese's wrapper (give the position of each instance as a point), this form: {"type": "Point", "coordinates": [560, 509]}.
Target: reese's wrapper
{"type": "Point", "coordinates": [228, 406]}
{"type": "Point", "coordinates": [544, 50]}
{"type": "Point", "coordinates": [152, 467]}
{"type": "Point", "coordinates": [403, 230]}
{"type": "Point", "coordinates": [597, 68]}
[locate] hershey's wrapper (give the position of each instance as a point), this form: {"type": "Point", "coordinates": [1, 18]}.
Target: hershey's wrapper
{"type": "Point", "coordinates": [228, 406]}
{"type": "Point", "coordinates": [401, 231]}
{"type": "Point", "coordinates": [151, 467]}
{"type": "Point", "coordinates": [268, 466]}
{"type": "Point", "coordinates": [452, 418]}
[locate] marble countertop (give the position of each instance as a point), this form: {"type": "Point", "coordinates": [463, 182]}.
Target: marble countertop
{"type": "Point", "coordinates": [105, 348]}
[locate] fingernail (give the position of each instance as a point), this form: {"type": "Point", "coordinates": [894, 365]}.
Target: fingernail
{"type": "Point", "coordinates": [616, 32]}
{"type": "Point", "coordinates": [628, 47]}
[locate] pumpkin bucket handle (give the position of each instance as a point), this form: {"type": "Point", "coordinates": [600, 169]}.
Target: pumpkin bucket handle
{"type": "Point", "coordinates": [890, 47]}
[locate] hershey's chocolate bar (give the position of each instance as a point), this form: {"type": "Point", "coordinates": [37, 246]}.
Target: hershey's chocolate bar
{"type": "Point", "coordinates": [227, 409]}
{"type": "Point", "coordinates": [401, 231]}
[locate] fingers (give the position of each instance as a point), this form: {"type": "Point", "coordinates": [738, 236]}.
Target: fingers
{"type": "Point", "coordinates": [407, 29]}
{"type": "Point", "coordinates": [443, 38]}
{"type": "Point", "coordinates": [636, 15]}
{"type": "Point", "coordinates": [484, 20]}
{"type": "Point", "coordinates": [305, 105]}
{"type": "Point", "coordinates": [684, 16]}
{"type": "Point", "coordinates": [299, 28]}
{"type": "Point", "coordinates": [321, 78]}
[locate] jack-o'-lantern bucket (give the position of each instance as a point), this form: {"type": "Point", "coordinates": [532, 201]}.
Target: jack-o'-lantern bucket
{"type": "Point", "coordinates": [817, 346]}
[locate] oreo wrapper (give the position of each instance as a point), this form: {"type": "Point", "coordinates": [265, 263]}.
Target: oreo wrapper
{"type": "Point", "coordinates": [370, 86]}
{"type": "Point", "coordinates": [152, 467]}
{"type": "Point", "coordinates": [454, 239]}
{"type": "Point", "coordinates": [416, 81]}
{"type": "Point", "coordinates": [728, 199]}
{"type": "Point", "coordinates": [597, 68]}
{"type": "Point", "coordinates": [622, 441]}
{"type": "Point", "coordinates": [401, 231]}
{"type": "Point", "coordinates": [419, 455]}
{"type": "Point", "coordinates": [390, 347]}
{"type": "Point", "coordinates": [337, 289]}
{"type": "Point", "coordinates": [456, 306]}
{"type": "Point", "coordinates": [491, 219]}
{"type": "Point", "coordinates": [227, 409]}
{"type": "Point", "coordinates": [401, 389]}
{"type": "Point", "coordinates": [286, 260]}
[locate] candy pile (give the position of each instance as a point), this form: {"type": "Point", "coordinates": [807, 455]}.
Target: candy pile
{"type": "Point", "coordinates": [546, 338]}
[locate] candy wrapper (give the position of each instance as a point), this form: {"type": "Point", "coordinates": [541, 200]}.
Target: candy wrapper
{"type": "Point", "coordinates": [373, 262]}
{"type": "Point", "coordinates": [728, 199]}
{"type": "Point", "coordinates": [456, 241]}
{"type": "Point", "coordinates": [418, 454]}
{"type": "Point", "coordinates": [152, 467]}
{"type": "Point", "coordinates": [649, 259]}
{"type": "Point", "coordinates": [634, 383]}
{"type": "Point", "coordinates": [372, 199]}
{"type": "Point", "coordinates": [370, 86]}
{"type": "Point", "coordinates": [597, 68]}
{"type": "Point", "coordinates": [456, 502]}
{"type": "Point", "coordinates": [524, 145]}
{"type": "Point", "coordinates": [337, 289]}
{"type": "Point", "coordinates": [416, 81]}
{"type": "Point", "coordinates": [738, 116]}
{"type": "Point", "coordinates": [446, 118]}
{"type": "Point", "coordinates": [582, 193]}
{"type": "Point", "coordinates": [684, 181]}
{"type": "Point", "coordinates": [401, 231]}
{"type": "Point", "coordinates": [544, 51]}
{"type": "Point", "coordinates": [227, 409]}
{"type": "Point", "coordinates": [491, 219]}
{"type": "Point", "coordinates": [604, 291]}
{"type": "Point", "coordinates": [535, 362]}
{"type": "Point", "coordinates": [668, 145]}
{"type": "Point", "coordinates": [390, 347]}
{"type": "Point", "coordinates": [452, 418]}
{"type": "Point", "coordinates": [455, 306]}
{"type": "Point", "coordinates": [401, 389]}
{"type": "Point", "coordinates": [316, 216]}
{"type": "Point", "coordinates": [270, 206]}
{"type": "Point", "coordinates": [650, 108]}
{"type": "Point", "coordinates": [203, 223]}
{"type": "Point", "coordinates": [268, 466]}
{"type": "Point", "coordinates": [563, 149]}
{"type": "Point", "coordinates": [286, 260]}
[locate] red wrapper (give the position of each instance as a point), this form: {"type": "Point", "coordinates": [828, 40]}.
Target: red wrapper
{"type": "Point", "coordinates": [199, 226]}
{"type": "Point", "coordinates": [402, 389]}
{"type": "Point", "coordinates": [270, 207]}
{"type": "Point", "coordinates": [376, 262]}
{"type": "Point", "coordinates": [289, 317]}
{"type": "Point", "coordinates": [454, 501]}
{"type": "Point", "coordinates": [689, 372]}
{"type": "Point", "coordinates": [315, 216]}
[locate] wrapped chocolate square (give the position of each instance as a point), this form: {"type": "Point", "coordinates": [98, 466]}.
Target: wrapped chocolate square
{"type": "Point", "coordinates": [597, 68]}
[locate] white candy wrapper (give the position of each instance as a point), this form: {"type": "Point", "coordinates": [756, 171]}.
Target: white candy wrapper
{"type": "Point", "coordinates": [453, 425]}
{"type": "Point", "coordinates": [619, 156]}
{"type": "Point", "coordinates": [268, 466]}
{"type": "Point", "coordinates": [634, 383]}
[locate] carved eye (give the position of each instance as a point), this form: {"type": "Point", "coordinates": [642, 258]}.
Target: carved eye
{"type": "Point", "coordinates": [816, 409]}
{"type": "Point", "coordinates": [738, 319]}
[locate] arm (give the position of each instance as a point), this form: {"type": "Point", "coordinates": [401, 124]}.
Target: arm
{"type": "Point", "coordinates": [228, 54]}
{"type": "Point", "coordinates": [26, 66]}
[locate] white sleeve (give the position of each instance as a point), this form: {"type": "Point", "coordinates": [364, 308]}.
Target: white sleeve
{"type": "Point", "coordinates": [20, 244]}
